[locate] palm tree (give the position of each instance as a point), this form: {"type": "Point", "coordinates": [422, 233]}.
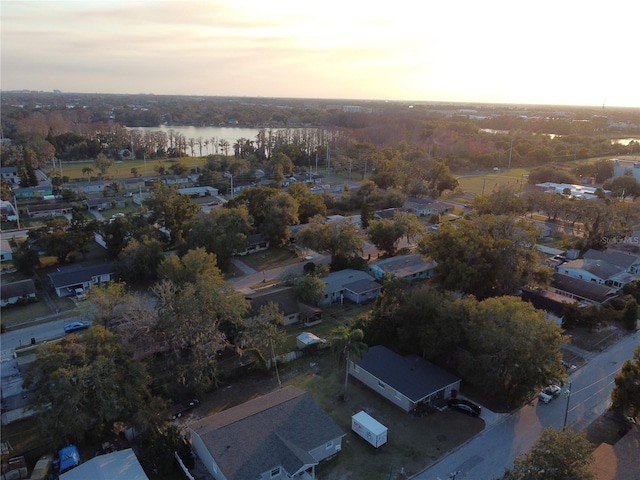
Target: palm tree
{"type": "Point", "coordinates": [347, 344]}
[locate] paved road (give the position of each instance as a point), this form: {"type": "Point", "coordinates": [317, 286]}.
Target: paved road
{"type": "Point", "coordinates": [488, 454]}
{"type": "Point", "coordinates": [22, 336]}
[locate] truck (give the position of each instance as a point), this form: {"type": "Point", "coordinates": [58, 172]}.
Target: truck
{"type": "Point", "coordinates": [369, 428]}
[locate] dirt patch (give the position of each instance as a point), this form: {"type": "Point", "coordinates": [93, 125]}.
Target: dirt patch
{"type": "Point", "coordinates": [608, 428]}
{"type": "Point", "coordinates": [598, 339]}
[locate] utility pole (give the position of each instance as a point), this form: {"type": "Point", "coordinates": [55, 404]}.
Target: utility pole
{"type": "Point", "coordinates": [567, 392]}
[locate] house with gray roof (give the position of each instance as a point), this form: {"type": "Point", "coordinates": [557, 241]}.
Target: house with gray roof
{"type": "Point", "coordinates": [291, 309]}
{"type": "Point", "coordinates": [10, 174]}
{"type": "Point", "coordinates": [407, 267]}
{"type": "Point", "coordinates": [353, 285]}
{"type": "Point", "coordinates": [628, 262]}
{"type": "Point", "coordinates": [10, 293]}
{"type": "Point", "coordinates": [405, 380]}
{"type": "Point", "coordinates": [67, 279]}
{"type": "Point", "coordinates": [426, 206]}
{"type": "Point", "coordinates": [282, 435]}
{"type": "Point", "coordinates": [598, 271]}
{"type": "Point", "coordinates": [584, 291]}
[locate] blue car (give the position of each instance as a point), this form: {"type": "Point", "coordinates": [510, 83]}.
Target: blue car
{"type": "Point", "coordinates": [75, 326]}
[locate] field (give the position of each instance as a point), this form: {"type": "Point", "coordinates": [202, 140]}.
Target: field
{"type": "Point", "coordinates": [486, 183]}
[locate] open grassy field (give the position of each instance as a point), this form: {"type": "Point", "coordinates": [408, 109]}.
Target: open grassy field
{"type": "Point", "coordinates": [486, 183]}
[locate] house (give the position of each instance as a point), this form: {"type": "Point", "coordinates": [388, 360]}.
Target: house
{"type": "Point", "coordinates": [354, 285]}
{"type": "Point", "coordinates": [10, 293]}
{"type": "Point", "coordinates": [291, 309]}
{"type": "Point", "coordinates": [407, 381]}
{"type": "Point", "coordinates": [255, 243]}
{"type": "Point", "coordinates": [551, 303]}
{"type": "Point", "coordinates": [133, 184]}
{"type": "Point", "coordinates": [599, 271]}
{"type": "Point", "coordinates": [6, 253]}
{"type": "Point", "coordinates": [198, 191]}
{"type": "Point", "coordinates": [389, 213]}
{"type": "Point", "coordinates": [52, 209]}
{"type": "Point", "coordinates": [574, 191]}
{"type": "Point", "coordinates": [119, 465]}
{"type": "Point", "coordinates": [91, 187]}
{"type": "Point", "coordinates": [282, 435]}
{"type": "Point", "coordinates": [620, 460]}
{"type": "Point", "coordinates": [39, 191]}
{"type": "Point", "coordinates": [425, 206]}
{"type": "Point", "coordinates": [8, 211]}
{"type": "Point", "coordinates": [584, 291]}
{"type": "Point", "coordinates": [626, 261]}
{"type": "Point", "coordinates": [407, 267]}
{"type": "Point", "coordinates": [177, 180]}
{"type": "Point", "coordinates": [10, 175]}
{"type": "Point", "coordinates": [67, 279]}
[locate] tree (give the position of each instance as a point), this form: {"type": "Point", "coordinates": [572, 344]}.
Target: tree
{"type": "Point", "coordinates": [347, 344]}
{"type": "Point", "coordinates": [510, 350]}
{"type": "Point", "coordinates": [103, 163]}
{"type": "Point", "coordinates": [556, 455]}
{"type": "Point", "coordinates": [485, 256]}
{"type": "Point", "coordinates": [26, 259]}
{"type": "Point", "coordinates": [385, 234]}
{"type": "Point", "coordinates": [281, 211]}
{"type": "Point", "coordinates": [79, 383]}
{"type": "Point", "coordinates": [342, 240]}
{"type": "Point", "coordinates": [222, 231]}
{"type": "Point", "coordinates": [625, 397]}
{"type": "Point", "coordinates": [265, 333]}
{"type": "Point", "coordinates": [198, 313]}
{"type": "Point", "coordinates": [309, 289]}
{"type": "Point", "coordinates": [630, 314]}
{"type": "Point", "coordinates": [139, 260]}
{"type": "Point", "coordinates": [171, 209]}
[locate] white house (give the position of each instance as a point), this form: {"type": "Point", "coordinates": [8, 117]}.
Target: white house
{"type": "Point", "coordinates": [353, 285]}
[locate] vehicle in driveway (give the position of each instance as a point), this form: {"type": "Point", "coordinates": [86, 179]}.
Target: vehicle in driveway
{"type": "Point", "coordinates": [544, 397]}
{"type": "Point", "coordinates": [178, 410]}
{"type": "Point", "coordinates": [465, 406]}
{"type": "Point", "coordinates": [76, 326]}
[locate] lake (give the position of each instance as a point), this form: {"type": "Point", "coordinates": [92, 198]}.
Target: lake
{"type": "Point", "coordinates": [230, 134]}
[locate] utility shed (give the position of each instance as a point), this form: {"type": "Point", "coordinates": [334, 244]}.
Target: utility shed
{"type": "Point", "coordinates": [306, 339]}
{"type": "Point", "coordinates": [369, 428]}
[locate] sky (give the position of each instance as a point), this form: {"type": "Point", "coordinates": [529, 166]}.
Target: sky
{"type": "Point", "coordinates": [551, 52]}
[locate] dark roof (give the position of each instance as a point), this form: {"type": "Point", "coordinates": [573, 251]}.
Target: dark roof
{"type": "Point", "coordinates": [17, 289]}
{"type": "Point", "coordinates": [545, 300]}
{"type": "Point", "coordinates": [256, 238]}
{"type": "Point", "coordinates": [277, 429]}
{"type": "Point", "coordinates": [77, 274]}
{"type": "Point", "coordinates": [410, 375]}
{"type": "Point", "coordinates": [592, 291]}
{"type": "Point", "coordinates": [44, 207]}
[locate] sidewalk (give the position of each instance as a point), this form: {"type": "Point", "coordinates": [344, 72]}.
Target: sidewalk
{"type": "Point", "coordinates": [243, 267]}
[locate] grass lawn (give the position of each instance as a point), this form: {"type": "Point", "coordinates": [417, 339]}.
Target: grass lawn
{"type": "Point", "coordinates": [272, 258]}
{"type": "Point", "coordinates": [477, 184]}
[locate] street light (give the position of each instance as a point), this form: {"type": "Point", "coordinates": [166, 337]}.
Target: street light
{"type": "Point", "coordinates": [567, 392]}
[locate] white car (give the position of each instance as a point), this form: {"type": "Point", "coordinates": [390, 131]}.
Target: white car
{"type": "Point", "coordinates": [552, 390]}
{"type": "Point", "coordinates": [544, 397]}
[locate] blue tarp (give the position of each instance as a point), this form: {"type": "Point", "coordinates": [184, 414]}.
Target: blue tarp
{"type": "Point", "coordinates": [69, 457]}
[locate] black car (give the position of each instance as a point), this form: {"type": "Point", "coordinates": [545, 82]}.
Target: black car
{"type": "Point", "coordinates": [465, 406]}
{"type": "Point", "coordinates": [178, 410]}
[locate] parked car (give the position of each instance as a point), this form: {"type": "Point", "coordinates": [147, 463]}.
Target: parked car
{"type": "Point", "coordinates": [545, 397]}
{"type": "Point", "coordinates": [178, 410]}
{"type": "Point", "coordinates": [553, 390]}
{"type": "Point", "coordinates": [465, 406]}
{"type": "Point", "coordinates": [75, 326]}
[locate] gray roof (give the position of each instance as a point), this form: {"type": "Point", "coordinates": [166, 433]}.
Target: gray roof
{"type": "Point", "coordinates": [581, 288]}
{"type": "Point", "coordinates": [277, 429]}
{"type": "Point", "coordinates": [362, 286]}
{"type": "Point", "coordinates": [338, 280]}
{"type": "Point", "coordinates": [17, 289]}
{"type": "Point", "coordinates": [121, 465]}
{"type": "Point", "coordinates": [411, 375]}
{"type": "Point", "coordinates": [78, 274]}
{"type": "Point", "coordinates": [404, 265]}
{"type": "Point", "coordinates": [598, 268]}
{"type": "Point", "coordinates": [623, 260]}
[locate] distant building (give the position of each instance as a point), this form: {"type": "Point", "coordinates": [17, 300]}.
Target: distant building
{"type": "Point", "coordinates": [407, 267]}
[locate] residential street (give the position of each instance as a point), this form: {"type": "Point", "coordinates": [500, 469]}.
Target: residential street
{"type": "Point", "coordinates": [487, 455]}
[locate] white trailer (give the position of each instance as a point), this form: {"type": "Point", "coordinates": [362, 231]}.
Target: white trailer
{"type": "Point", "coordinates": [369, 428]}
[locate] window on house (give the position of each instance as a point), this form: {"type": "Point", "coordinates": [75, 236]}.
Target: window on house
{"type": "Point", "coordinates": [275, 472]}
{"type": "Point", "coordinates": [329, 445]}
{"type": "Point", "coordinates": [380, 384]}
